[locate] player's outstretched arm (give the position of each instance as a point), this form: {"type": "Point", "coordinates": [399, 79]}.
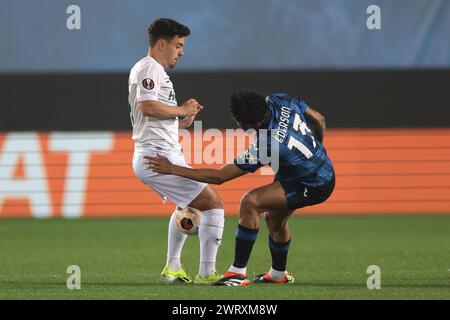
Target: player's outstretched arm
{"type": "Point", "coordinates": [214, 176]}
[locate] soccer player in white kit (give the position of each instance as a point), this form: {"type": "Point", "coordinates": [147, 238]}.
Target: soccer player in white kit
{"type": "Point", "coordinates": [156, 117]}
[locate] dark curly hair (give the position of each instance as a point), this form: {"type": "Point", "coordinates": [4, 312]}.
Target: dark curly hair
{"type": "Point", "coordinates": [248, 108]}
{"type": "Point", "coordinates": [166, 28]}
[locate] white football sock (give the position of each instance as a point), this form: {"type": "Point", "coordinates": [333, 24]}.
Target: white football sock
{"type": "Point", "coordinates": [276, 275]}
{"type": "Point", "coordinates": [210, 235]}
{"type": "Point", "coordinates": [238, 270]}
{"type": "Point", "coordinates": [175, 244]}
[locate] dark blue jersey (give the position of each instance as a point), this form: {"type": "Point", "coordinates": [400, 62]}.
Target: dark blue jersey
{"type": "Point", "coordinates": [302, 159]}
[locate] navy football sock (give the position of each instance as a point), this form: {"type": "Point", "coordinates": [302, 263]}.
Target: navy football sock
{"type": "Point", "coordinates": [279, 252]}
{"type": "Point", "coordinates": [245, 238]}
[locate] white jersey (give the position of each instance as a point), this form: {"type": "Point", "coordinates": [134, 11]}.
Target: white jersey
{"type": "Point", "coordinates": [149, 81]}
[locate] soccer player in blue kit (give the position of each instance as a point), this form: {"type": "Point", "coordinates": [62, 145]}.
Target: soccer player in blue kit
{"type": "Point", "coordinates": [304, 177]}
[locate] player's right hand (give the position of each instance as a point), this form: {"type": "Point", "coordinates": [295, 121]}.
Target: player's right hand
{"type": "Point", "coordinates": [159, 164]}
{"type": "Point", "coordinates": [191, 107]}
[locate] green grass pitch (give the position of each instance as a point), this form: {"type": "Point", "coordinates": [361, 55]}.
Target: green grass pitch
{"type": "Point", "coordinates": [122, 258]}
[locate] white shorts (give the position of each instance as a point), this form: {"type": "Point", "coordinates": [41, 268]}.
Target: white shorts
{"type": "Point", "coordinates": [179, 190]}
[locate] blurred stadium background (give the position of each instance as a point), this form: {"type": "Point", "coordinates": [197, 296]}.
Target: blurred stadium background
{"type": "Point", "coordinates": [65, 142]}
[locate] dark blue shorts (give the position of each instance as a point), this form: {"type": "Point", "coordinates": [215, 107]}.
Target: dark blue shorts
{"type": "Point", "coordinates": [298, 195]}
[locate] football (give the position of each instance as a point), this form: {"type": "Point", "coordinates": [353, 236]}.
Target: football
{"type": "Point", "coordinates": [188, 220]}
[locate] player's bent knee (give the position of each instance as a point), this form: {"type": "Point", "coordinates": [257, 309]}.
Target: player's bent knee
{"type": "Point", "coordinates": [208, 199]}
{"type": "Point", "coordinates": [250, 201]}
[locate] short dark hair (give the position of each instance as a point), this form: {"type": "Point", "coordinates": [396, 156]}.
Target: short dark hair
{"type": "Point", "coordinates": [248, 108]}
{"type": "Point", "coordinates": [166, 28]}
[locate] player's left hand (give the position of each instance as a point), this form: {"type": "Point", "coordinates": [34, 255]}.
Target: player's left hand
{"type": "Point", "coordinates": [158, 164]}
